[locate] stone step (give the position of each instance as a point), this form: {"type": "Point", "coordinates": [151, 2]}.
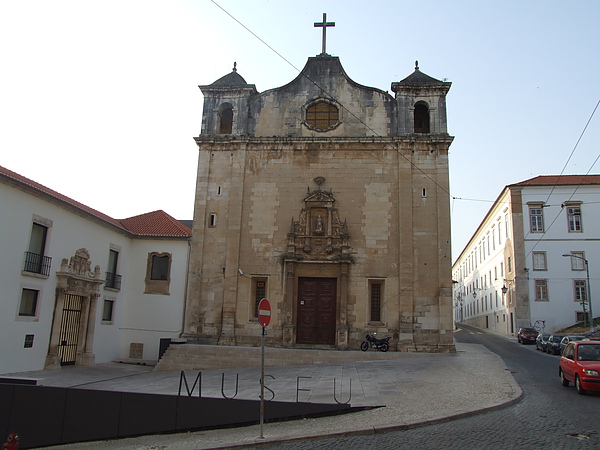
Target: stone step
{"type": "Point", "coordinates": [207, 357]}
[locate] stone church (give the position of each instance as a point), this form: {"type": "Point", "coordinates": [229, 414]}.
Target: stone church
{"type": "Point", "coordinates": [331, 200]}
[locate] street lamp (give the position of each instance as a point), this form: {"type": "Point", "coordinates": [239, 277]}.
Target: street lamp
{"type": "Point", "coordinates": [505, 289]}
{"type": "Point", "coordinates": [459, 302]}
{"type": "Point", "coordinates": [587, 287]}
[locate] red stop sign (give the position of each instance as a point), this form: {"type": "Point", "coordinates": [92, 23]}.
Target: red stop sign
{"type": "Point", "coordinates": [264, 312]}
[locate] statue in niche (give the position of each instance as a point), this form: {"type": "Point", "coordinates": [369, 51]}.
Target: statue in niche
{"type": "Point", "coordinates": [319, 226]}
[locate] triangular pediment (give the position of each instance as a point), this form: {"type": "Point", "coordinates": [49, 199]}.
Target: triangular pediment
{"type": "Point", "coordinates": [319, 196]}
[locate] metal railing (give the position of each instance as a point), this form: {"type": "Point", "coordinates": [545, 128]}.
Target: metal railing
{"type": "Point", "coordinates": [36, 263]}
{"type": "Point", "coordinates": [113, 280]}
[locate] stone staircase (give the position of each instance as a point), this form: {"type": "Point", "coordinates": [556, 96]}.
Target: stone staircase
{"type": "Point", "coordinates": [206, 357]}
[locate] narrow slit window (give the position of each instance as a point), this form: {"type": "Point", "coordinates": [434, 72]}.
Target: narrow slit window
{"type": "Point", "coordinates": [260, 291]}
{"type": "Point", "coordinates": [376, 298]}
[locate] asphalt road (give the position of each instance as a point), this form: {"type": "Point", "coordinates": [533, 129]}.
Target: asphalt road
{"type": "Point", "coordinates": [549, 416]}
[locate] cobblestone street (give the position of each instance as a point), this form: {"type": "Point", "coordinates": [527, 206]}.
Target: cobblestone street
{"type": "Point", "coordinates": [548, 416]}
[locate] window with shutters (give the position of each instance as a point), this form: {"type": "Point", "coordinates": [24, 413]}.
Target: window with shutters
{"type": "Point", "coordinates": [574, 219]}
{"type": "Point", "coordinates": [536, 218]}
{"type": "Point", "coordinates": [539, 260]}
{"type": "Point", "coordinates": [541, 290]}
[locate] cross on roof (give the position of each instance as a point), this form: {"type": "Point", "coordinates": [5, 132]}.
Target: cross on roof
{"type": "Point", "coordinates": [324, 25]}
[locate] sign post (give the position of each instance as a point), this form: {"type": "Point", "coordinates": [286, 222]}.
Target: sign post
{"type": "Point", "coordinates": [264, 318]}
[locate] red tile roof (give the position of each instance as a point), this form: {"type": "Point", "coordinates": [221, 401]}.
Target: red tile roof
{"type": "Point", "coordinates": [551, 180]}
{"type": "Point", "coordinates": [157, 223]}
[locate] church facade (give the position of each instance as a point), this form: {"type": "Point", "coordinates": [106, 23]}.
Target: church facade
{"type": "Point", "coordinates": [331, 200]}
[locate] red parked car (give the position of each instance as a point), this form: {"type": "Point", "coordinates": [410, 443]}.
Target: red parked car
{"type": "Point", "coordinates": [527, 335]}
{"type": "Point", "coordinates": [580, 364]}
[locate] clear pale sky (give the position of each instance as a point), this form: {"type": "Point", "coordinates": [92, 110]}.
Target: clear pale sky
{"type": "Point", "coordinates": [100, 100]}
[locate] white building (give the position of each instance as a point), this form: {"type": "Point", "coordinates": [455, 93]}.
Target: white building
{"type": "Point", "coordinates": [80, 287]}
{"type": "Point", "coordinates": [513, 272]}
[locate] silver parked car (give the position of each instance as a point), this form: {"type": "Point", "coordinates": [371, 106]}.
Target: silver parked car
{"type": "Point", "coordinates": [553, 345]}
{"type": "Point", "coordinates": [564, 341]}
{"type": "Point", "coordinates": [541, 341]}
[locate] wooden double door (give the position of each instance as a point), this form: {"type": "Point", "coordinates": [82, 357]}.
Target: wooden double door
{"type": "Point", "coordinates": [316, 311]}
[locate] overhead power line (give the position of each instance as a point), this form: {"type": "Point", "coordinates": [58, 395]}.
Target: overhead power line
{"type": "Point", "coordinates": [324, 90]}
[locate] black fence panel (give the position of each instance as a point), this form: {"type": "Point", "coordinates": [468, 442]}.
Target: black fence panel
{"type": "Point", "coordinates": [147, 414]}
{"type": "Point", "coordinates": [37, 414]}
{"type": "Point", "coordinates": [6, 398]}
{"type": "Point", "coordinates": [215, 412]}
{"type": "Point", "coordinates": [45, 416]}
{"type": "Point", "coordinates": [91, 415]}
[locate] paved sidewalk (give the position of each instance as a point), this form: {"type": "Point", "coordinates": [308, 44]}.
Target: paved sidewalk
{"type": "Point", "coordinates": [414, 390]}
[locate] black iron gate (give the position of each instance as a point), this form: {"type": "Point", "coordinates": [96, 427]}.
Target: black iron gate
{"type": "Point", "coordinates": [69, 329]}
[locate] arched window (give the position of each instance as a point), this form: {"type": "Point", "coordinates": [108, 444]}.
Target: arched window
{"type": "Point", "coordinates": [421, 118]}
{"type": "Point", "coordinates": [322, 116]}
{"type": "Point", "coordinates": [225, 119]}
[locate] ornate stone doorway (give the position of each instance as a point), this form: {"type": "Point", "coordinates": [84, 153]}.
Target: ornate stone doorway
{"type": "Point", "coordinates": [317, 263]}
{"type": "Point", "coordinates": [77, 292]}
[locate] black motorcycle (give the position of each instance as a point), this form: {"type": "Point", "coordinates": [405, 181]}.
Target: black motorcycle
{"type": "Point", "coordinates": [383, 345]}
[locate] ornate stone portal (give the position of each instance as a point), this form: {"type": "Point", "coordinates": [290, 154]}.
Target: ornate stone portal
{"type": "Point", "coordinates": [318, 248]}
{"type": "Point", "coordinates": [319, 234]}
{"type": "Point", "coordinates": [77, 292]}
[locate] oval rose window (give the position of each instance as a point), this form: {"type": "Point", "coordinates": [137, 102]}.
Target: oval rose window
{"type": "Point", "coordinates": [322, 116]}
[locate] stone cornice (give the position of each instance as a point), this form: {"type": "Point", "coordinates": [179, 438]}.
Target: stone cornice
{"type": "Point", "coordinates": [302, 141]}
